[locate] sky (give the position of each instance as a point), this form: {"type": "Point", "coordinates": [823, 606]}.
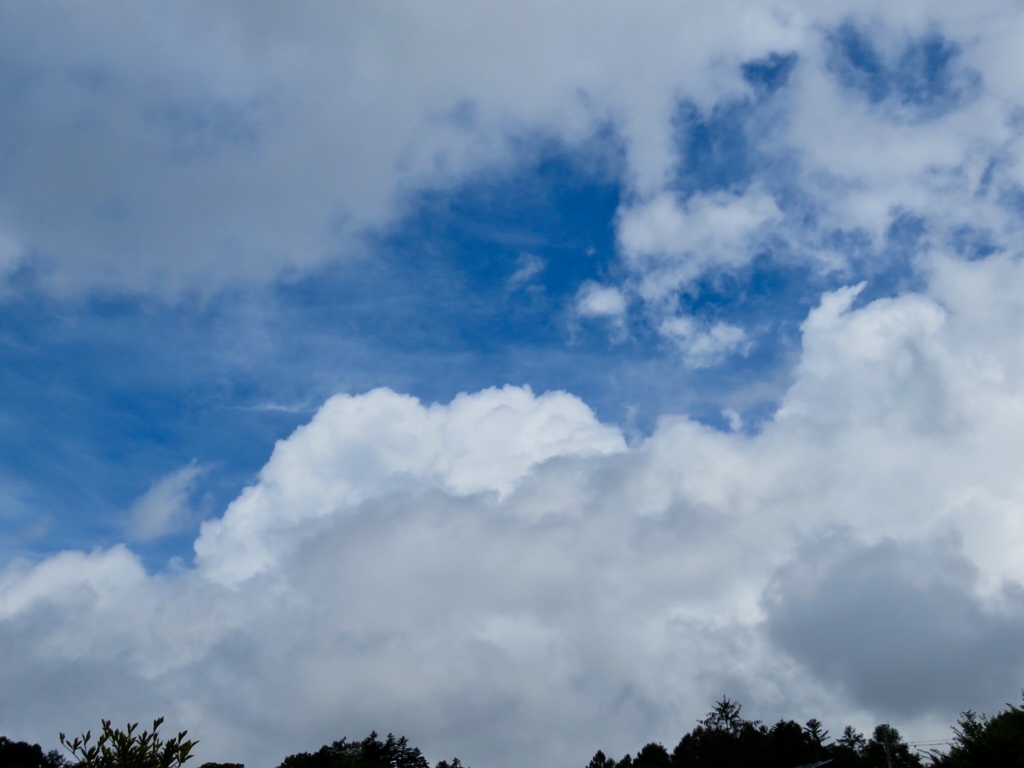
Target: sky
{"type": "Point", "coordinates": [518, 378]}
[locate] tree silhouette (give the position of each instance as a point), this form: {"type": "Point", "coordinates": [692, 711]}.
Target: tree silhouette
{"type": "Point", "coordinates": [21, 754]}
{"type": "Point", "coordinates": [127, 749]}
{"type": "Point", "coordinates": [725, 717]}
{"type": "Point", "coordinates": [371, 752]}
{"type": "Point", "coordinates": [723, 737]}
{"type": "Point", "coordinates": [652, 756]}
{"type": "Point", "coordinates": [815, 732]}
{"type": "Point", "coordinates": [788, 745]}
{"type": "Point", "coordinates": [848, 750]}
{"type": "Point", "coordinates": [600, 760]}
{"type": "Point", "coordinates": [992, 741]}
{"type": "Point", "coordinates": [886, 749]}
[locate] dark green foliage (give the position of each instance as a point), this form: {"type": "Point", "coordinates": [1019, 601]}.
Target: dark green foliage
{"type": "Point", "coordinates": [371, 752]}
{"type": "Point", "coordinates": [788, 745]}
{"type": "Point", "coordinates": [21, 754]}
{"type": "Point", "coordinates": [848, 749]}
{"type": "Point", "coordinates": [995, 741]}
{"type": "Point", "coordinates": [722, 739]}
{"type": "Point", "coordinates": [815, 732]}
{"type": "Point", "coordinates": [886, 749]}
{"type": "Point", "coordinates": [127, 749]}
{"type": "Point", "coordinates": [725, 739]}
{"type": "Point", "coordinates": [652, 756]}
{"type": "Point", "coordinates": [725, 718]}
{"type": "Point", "coordinates": [599, 760]}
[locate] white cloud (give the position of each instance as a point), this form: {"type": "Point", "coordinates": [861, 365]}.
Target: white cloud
{"type": "Point", "coordinates": [708, 346]}
{"type": "Point", "coordinates": [668, 247]}
{"type": "Point", "coordinates": [165, 507]}
{"type": "Point", "coordinates": [734, 418]}
{"type": "Point", "coordinates": [608, 303]}
{"type": "Point", "coordinates": [477, 573]}
{"type": "Point", "coordinates": [186, 147]}
{"type": "Point", "coordinates": [671, 245]}
{"type": "Point", "coordinates": [601, 301]}
{"type": "Point", "coordinates": [480, 444]}
{"type": "Point", "coordinates": [73, 580]}
{"type": "Point", "coordinates": [528, 266]}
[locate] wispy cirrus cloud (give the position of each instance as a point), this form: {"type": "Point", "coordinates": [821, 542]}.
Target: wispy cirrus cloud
{"type": "Point", "coordinates": [165, 507]}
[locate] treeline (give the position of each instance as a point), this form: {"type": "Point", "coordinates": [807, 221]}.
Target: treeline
{"type": "Point", "coordinates": [132, 748]}
{"type": "Point", "coordinates": [723, 739]}
{"type": "Point", "coordinates": [371, 752]}
{"type": "Point", "coordinates": [726, 738]}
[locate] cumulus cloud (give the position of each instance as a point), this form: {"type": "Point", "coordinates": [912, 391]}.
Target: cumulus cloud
{"type": "Point", "coordinates": [482, 574]}
{"type": "Point", "coordinates": [478, 445]}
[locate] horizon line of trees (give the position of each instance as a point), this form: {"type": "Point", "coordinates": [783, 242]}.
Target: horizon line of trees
{"type": "Point", "coordinates": [722, 739]}
{"type": "Point", "coordinates": [725, 738]}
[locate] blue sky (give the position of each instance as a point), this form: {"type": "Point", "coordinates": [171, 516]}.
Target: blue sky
{"type": "Point", "coordinates": [484, 368]}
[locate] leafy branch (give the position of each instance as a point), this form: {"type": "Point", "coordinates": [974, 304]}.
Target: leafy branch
{"type": "Point", "coordinates": [127, 749]}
